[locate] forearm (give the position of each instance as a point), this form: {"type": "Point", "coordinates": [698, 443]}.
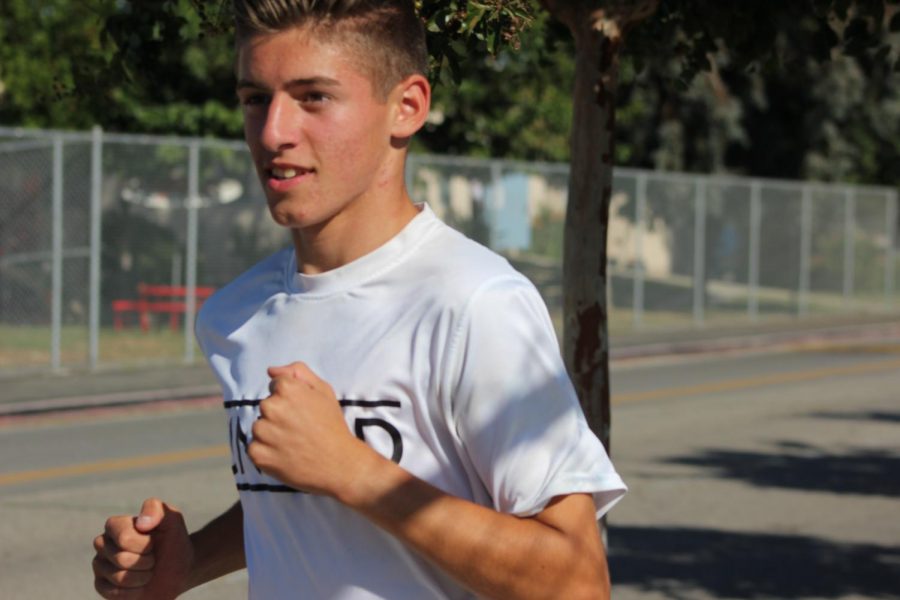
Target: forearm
{"type": "Point", "coordinates": [495, 555]}
{"type": "Point", "coordinates": [218, 547]}
{"type": "Point", "coordinates": [301, 438]}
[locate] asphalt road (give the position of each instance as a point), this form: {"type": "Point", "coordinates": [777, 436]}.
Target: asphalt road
{"type": "Point", "coordinates": [771, 475]}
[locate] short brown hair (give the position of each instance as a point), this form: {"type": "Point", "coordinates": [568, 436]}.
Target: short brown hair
{"type": "Point", "coordinates": [387, 35]}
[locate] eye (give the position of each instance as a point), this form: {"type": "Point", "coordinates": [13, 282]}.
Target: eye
{"type": "Point", "coordinates": [313, 98]}
{"type": "Point", "coordinates": [254, 99]}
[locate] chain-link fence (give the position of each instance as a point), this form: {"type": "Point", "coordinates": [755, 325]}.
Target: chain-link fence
{"type": "Point", "coordinates": [109, 243]}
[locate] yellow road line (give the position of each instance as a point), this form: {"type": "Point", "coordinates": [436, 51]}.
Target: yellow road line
{"type": "Point", "coordinates": [181, 456]}
{"type": "Point", "coordinates": [731, 385]}
{"type": "Point", "coordinates": [118, 464]}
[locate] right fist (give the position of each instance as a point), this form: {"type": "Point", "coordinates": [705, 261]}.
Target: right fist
{"type": "Point", "coordinates": [143, 557]}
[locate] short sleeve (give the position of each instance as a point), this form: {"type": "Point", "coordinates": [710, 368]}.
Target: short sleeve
{"type": "Point", "coordinates": [515, 409]}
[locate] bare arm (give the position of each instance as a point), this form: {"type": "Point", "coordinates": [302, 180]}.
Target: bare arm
{"type": "Point", "coordinates": [555, 554]}
{"type": "Point", "coordinates": [302, 439]}
{"type": "Point", "coordinates": [218, 547]}
{"type": "Point", "coordinates": [152, 556]}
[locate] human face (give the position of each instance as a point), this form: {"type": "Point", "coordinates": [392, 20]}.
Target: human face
{"type": "Point", "coordinates": [320, 138]}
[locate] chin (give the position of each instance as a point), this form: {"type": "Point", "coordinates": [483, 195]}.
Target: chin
{"type": "Point", "coordinates": [294, 218]}
{"type": "Point", "coordinates": [284, 216]}
{"type": "Point", "coordinates": [291, 221]}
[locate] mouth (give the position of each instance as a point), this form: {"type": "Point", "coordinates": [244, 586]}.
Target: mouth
{"type": "Point", "coordinates": [285, 173]}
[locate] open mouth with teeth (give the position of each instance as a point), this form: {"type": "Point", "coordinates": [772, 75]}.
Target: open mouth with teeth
{"type": "Point", "coordinates": [286, 173]}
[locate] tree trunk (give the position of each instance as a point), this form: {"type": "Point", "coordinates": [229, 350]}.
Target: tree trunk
{"type": "Point", "coordinates": [585, 310]}
{"type": "Point", "coordinates": [598, 29]}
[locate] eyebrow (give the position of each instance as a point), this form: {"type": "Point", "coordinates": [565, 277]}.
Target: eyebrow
{"type": "Point", "coordinates": [302, 81]}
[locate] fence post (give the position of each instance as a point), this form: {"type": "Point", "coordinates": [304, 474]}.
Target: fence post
{"type": "Point", "coordinates": [805, 250]}
{"type": "Point", "coordinates": [849, 245]}
{"type": "Point", "coordinates": [193, 202]}
{"type": "Point", "coordinates": [640, 211]}
{"type": "Point", "coordinates": [96, 240]}
{"type": "Point", "coordinates": [699, 249]}
{"type": "Point", "coordinates": [498, 198]}
{"type": "Point", "coordinates": [56, 256]}
{"type": "Point", "coordinates": [889, 258]}
{"type": "Point", "coordinates": [753, 272]}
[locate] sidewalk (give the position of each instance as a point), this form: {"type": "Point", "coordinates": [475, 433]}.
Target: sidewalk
{"type": "Point", "coordinates": [42, 393]}
{"type": "Point", "coordinates": [777, 333]}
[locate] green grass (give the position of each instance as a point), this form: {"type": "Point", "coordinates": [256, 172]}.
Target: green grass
{"type": "Point", "coordinates": [27, 346]}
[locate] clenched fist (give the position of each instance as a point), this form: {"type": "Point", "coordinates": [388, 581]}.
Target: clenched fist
{"type": "Point", "coordinates": [143, 557]}
{"type": "Point", "coordinates": [301, 437]}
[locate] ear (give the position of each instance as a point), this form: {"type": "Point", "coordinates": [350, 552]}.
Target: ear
{"type": "Point", "coordinates": [412, 101]}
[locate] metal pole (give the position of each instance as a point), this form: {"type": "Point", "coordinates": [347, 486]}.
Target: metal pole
{"type": "Point", "coordinates": [699, 249]}
{"type": "Point", "coordinates": [94, 276]}
{"type": "Point", "coordinates": [496, 206]}
{"type": "Point", "coordinates": [640, 211]}
{"type": "Point", "coordinates": [889, 272]}
{"type": "Point", "coordinates": [57, 257]}
{"type": "Point", "coordinates": [499, 196]}
{"type": "Point", "coordinates": [177, 266]}
{"type": "Point", "coordinates": [753, 275]}
{"type": "Point", "coordinates": [849, 228]}
{"type": "Point", "coordinates": [193, 201]}
{"type": "Point", "coordinates": [805, 250]}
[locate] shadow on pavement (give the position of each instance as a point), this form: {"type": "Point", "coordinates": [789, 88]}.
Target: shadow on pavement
{"type": "Point", "coordinates": [872, 415]}
{"type": "Point", "coordinates": [678, 561]}
{"type": "Point", "coordinates": [798, 466]}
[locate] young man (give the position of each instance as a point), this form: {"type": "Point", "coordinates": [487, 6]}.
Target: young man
{"type": "Point", "coordinates": [401, 422]}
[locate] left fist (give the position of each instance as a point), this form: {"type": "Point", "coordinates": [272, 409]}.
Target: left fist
{"type": "Point", "coordinates": [301, 437]}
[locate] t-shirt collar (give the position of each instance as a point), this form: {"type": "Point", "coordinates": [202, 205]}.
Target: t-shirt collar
{"type": "Point", "coordinates": [363, 268]}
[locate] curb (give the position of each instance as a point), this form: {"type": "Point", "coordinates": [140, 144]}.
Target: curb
{"type": "Point", "coordinates": [849, 333]}
{"type": "Point", "coordinates": [695, 347]}
{"type": "Point", "coordinates": [33, 407]}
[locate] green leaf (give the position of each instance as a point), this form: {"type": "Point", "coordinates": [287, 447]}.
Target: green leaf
{"type": "Point", "coordinates": [475, 17]}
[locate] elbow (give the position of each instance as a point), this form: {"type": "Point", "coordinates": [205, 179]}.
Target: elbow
{"type": "Point", "coordinates": [588, 580]}
{"type": "Point", "coordinates": [593, 589]}
{"type": "Point", "coordinates": [592, 584]}
{"type": "Point", "coordinates": [586, 584]}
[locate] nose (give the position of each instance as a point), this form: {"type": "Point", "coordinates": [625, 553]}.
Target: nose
{"type": "Point", "coordinates": [281, 125]}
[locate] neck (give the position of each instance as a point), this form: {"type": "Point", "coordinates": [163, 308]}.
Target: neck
{"type": "Point", "coordinates": [363, 227]}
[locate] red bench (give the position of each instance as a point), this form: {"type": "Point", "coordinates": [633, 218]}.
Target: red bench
{"type": "Point", "coordinates": [158, 299]}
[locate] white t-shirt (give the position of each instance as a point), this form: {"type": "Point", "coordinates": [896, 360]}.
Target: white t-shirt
{"type": "Point", "coordinates": [444, 359]}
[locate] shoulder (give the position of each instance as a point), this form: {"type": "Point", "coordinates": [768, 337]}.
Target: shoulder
{"type": "Point", "coordinates": [244, 294]}
{"type": "Point", "coordinates": [456, 268]}
{"type": "Point", "coordinates": [479, 298]}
